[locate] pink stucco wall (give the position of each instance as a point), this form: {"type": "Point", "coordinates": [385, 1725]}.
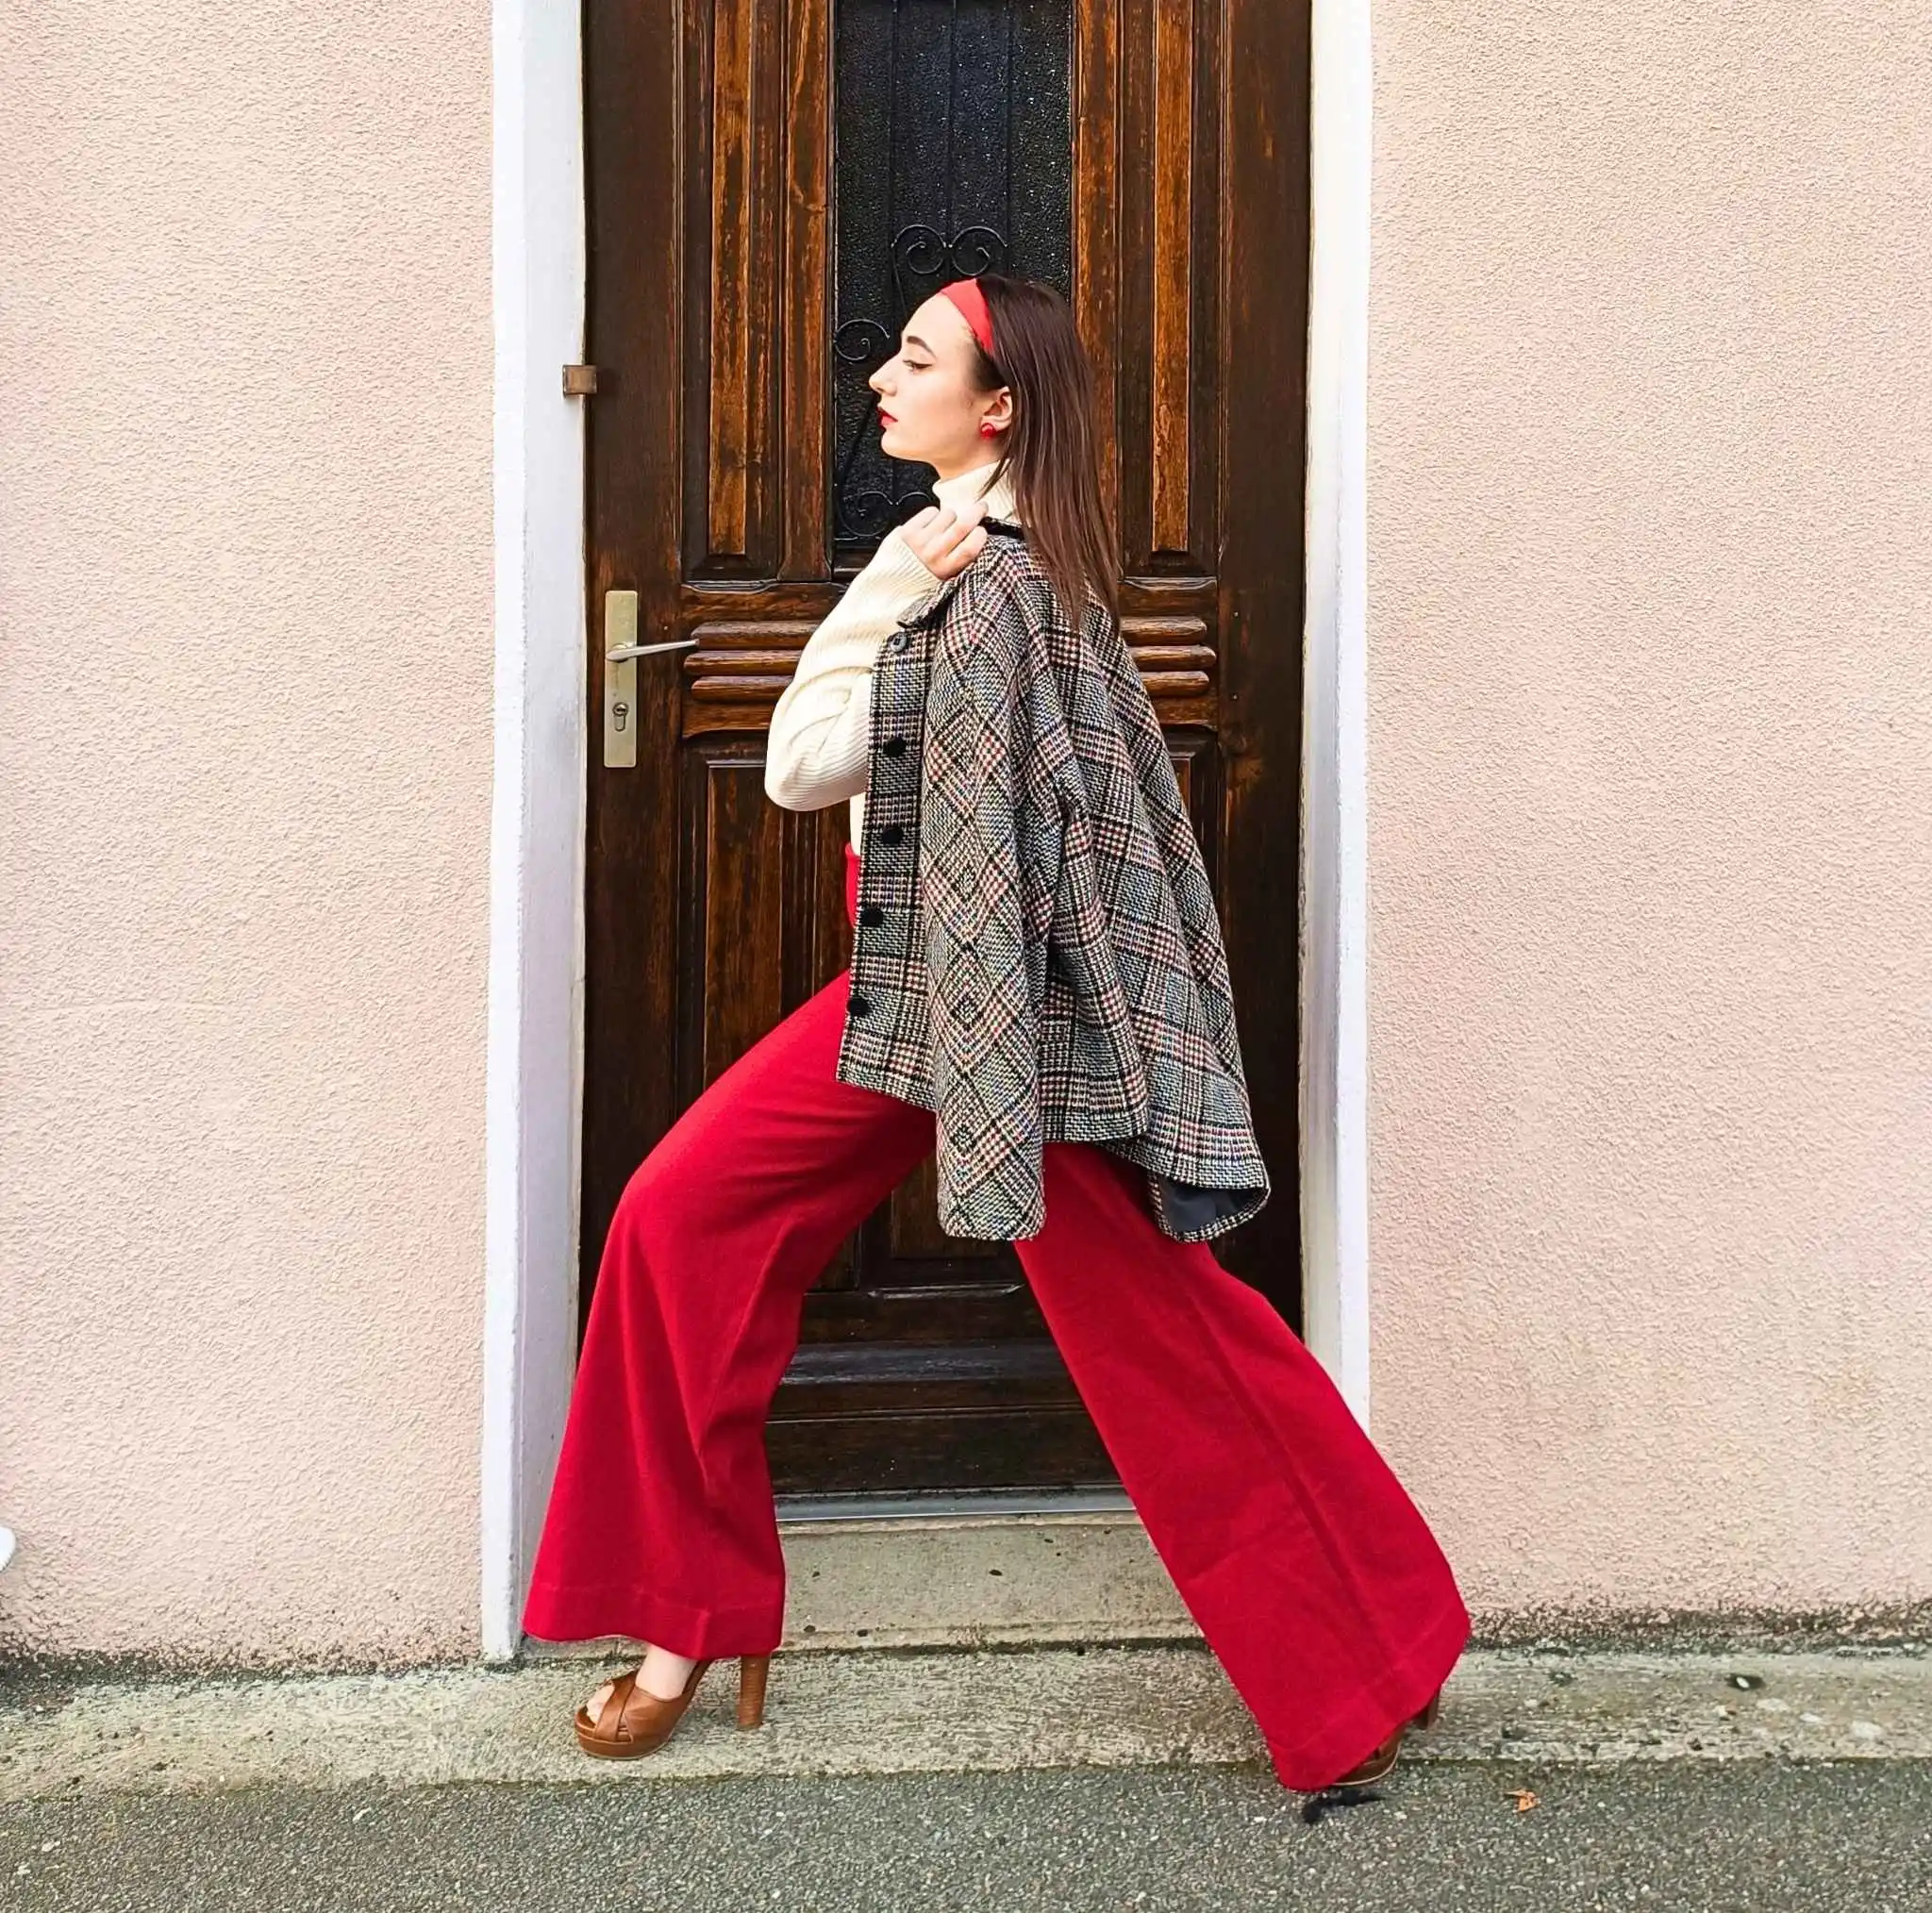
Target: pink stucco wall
{"type": "Point", "coordinates": [245, 763]}
{"type": "Point", "coordinates": [1651, 802]}
{"type": "Point", "coordinates": [1651, 797]}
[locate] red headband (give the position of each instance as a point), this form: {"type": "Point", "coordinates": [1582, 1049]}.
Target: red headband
{"type": "Point", "coordinates": [965, 293]}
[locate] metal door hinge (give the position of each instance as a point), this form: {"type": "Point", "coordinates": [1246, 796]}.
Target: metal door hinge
{"type": "Point", "coordinates": [579, 381]}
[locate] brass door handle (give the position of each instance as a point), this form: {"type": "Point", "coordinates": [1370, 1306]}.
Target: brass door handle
{"type": "Point", "coordinates": [620, 653]}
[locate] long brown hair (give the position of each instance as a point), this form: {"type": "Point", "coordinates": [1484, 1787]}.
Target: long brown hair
{"type": "Point", "coordinates": [1050, 454]}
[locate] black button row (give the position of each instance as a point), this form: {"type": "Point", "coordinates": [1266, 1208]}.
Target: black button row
{"type": "Point", "coordinates": [871, 913]}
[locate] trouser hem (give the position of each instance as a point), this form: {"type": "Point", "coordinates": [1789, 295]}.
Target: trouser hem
{"type": "Point", "coordinates": [1348, 1735]}
{"type": "Point", "coordinates": [595, 1612]}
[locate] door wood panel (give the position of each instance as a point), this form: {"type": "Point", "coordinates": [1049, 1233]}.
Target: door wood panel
{"type": "Point", "coordinates": [715, 222]}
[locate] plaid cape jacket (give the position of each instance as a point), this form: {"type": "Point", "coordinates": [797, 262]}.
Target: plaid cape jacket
{"type": "Point", "coordinates": [1037, 955]}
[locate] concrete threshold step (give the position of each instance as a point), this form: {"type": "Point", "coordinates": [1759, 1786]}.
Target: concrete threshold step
{"type": "Point", "coordinates": [1070, 1568]}
{"type": "Point", "coordinates": [899, 1712]}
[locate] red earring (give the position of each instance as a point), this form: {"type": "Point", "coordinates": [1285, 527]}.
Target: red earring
{"type": "Point", "coordinates": [988, 428]}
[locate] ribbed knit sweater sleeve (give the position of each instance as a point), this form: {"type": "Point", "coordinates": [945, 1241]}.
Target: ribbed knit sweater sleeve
{"type": "Point", "coordinates": [817, 750]}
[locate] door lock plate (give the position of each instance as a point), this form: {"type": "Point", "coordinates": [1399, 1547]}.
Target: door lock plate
{"type": "Point", "coordinates": [621, 654]}
{"type": "Point", "coordinates": [619, 681]}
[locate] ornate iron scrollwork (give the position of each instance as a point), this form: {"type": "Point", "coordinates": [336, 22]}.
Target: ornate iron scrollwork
{"type": "Point", "coordinates": [958, 113]}
{"type": "Point", "coordinates": [920, 252]}
{"type": "Point", "coordinates": [923, 260]}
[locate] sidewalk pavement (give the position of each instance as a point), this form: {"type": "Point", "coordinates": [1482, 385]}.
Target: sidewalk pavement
{"type": "Point", "coordinates": [1675, 1836]}
{"type": "Point", "coordinates": [1063, 1779]}
{"type": "Point", "coordinates": [869, 1712]}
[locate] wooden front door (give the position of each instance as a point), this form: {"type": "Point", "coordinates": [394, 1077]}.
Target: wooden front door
{"type": "Point", "coordinates": [775, 185]}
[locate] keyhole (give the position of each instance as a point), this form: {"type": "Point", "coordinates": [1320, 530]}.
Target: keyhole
{"type": "Point", "coordinates": [620, 713]}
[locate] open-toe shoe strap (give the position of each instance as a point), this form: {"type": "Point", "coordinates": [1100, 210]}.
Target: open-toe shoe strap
{"type": "Point", "coordinates": [608, 1724]}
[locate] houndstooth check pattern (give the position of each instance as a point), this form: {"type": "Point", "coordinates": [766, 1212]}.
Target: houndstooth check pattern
{"type": "Point", "coordinates": [1038, 957]}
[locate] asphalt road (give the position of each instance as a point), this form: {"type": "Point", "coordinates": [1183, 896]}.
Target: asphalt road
{"type": "Point", "coordinates": [1690, 1836]}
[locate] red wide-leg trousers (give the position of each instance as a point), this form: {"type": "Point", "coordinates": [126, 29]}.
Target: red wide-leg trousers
{"type": "Point", "coordinates": [1312, 1576]}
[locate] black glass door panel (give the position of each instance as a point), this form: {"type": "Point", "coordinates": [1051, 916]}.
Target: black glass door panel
{"type": "Point", "coordinates": [952, 157]}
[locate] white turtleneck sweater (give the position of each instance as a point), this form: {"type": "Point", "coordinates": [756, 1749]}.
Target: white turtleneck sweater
{"type": "Point", "coordinates": [818, 749]}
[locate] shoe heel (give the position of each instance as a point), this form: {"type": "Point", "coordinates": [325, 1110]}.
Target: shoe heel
{"type": "Point", "coordinates": [752, 1670]}
{"type": "Point", "coordinates": [1427, 1719]}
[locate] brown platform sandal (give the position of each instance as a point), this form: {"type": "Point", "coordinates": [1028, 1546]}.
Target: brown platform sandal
{"type": "Point", "coordinates": [1382, 1762]}
{"type": "Point", "coordinates": [633, 1721]}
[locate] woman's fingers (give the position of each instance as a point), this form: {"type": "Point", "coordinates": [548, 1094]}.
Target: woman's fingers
{"type": "Point", "coordinates": [967, 542]}
{"type": "Point", "coordinates": [930, 531]}
{"type": "Point", "coordinates": [945, 540]}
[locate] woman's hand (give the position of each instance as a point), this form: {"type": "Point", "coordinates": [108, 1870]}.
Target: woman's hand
{"type": "Point", "coordinates": [945, 541]}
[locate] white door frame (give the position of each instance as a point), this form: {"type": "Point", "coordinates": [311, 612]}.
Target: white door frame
{"type": "Point", "coordinates": [1335, 835]}
{"type": "Point", "coordinates": [534, 1081]}
{"type": "Point", "coordinates": [532, 1096]}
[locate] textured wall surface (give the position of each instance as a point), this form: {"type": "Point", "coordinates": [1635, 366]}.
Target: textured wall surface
{"type": "Point", "coordinates": [244, 782]}
{"type": "Point", "coordinates": [1651, 763]}
{"type": "Point", "coordinates": [1651, 797]}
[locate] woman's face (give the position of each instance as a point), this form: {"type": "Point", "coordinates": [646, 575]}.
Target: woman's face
{"type": "Point", "coordinates": [928, 409]}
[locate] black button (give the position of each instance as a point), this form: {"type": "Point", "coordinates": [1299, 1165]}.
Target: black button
{"type": "Point", "coordinates": [894, 748]}
{"type": "Point", "coordinates": [872, 914]}
{"type": "Point", "coordinates": [898, 641]}
{"type": "Point", "coordinates": [893, 833]}
{"type": "Point", "coordinates": [859, 1006]}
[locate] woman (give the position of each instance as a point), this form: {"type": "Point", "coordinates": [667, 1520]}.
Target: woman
{"type": "Point", "coordinates": [1312, 1577]}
